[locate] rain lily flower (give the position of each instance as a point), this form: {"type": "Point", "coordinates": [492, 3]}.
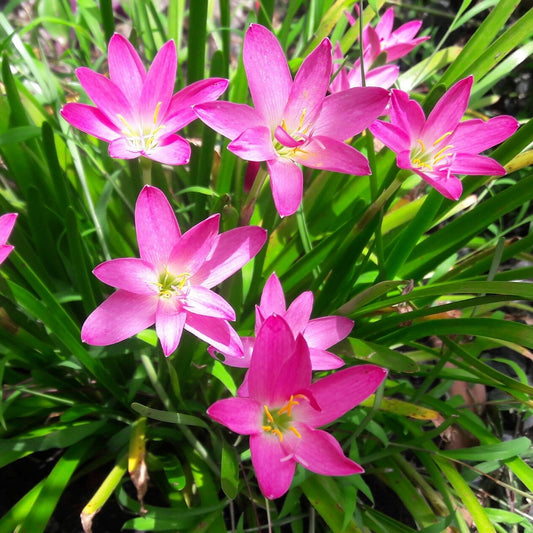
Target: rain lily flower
{"type": "Point", "coordinates": [396, 43]}
{"type": "Point", "coordinates": [135, 110]}
{"type": "Point", "coordinates": [441, 146]}
{"type": "Point", "coordinates": [170, 284]}
{"type": "Point", "coordinates": [293, 121]}
{"type": "Point", "coordinates": [7, 222]}
{"type": "Point", "coordinates": [319, 333]}
{"type": "Point", "coordinates": [284, 409]}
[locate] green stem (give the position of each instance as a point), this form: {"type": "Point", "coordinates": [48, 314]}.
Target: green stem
{"type": "Point", "coordinates": [304, 235]}
{"type": "Point", "coordinates": [248, 208]}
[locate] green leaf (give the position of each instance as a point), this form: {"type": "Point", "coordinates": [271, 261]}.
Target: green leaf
{"type": "Point", "coordinates": [490, 452]}
{"type": "Point", "coordinates": [229, 471]}
{"type": "Point", "coordinates": [167, 416]}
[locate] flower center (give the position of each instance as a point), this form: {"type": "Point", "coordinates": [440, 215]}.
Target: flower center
{"type": "Point", "coordinates": [278, 421]}
{"type": "Point", "coordinates": [287, 143]}
{"type": "Point", "coordinates": [429, 159]}
{"type": "Point", "coordinates": [142, 137]}
{"type": "Point", "coordinates": [170, 285]}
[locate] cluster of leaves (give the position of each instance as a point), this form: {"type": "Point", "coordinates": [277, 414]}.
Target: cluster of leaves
{"type": "Point", "coordinates": [434, 287]}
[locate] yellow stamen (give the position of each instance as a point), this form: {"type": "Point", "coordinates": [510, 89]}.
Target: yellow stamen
{"type": "Point", "coordinates": [435, 157]}
{"type": "Point", "coordinates": [295, 431]}
{"type": "Point", "coordinates": [422, 145]}
{"type": "Point", "coordinates": [442, 137]}
{"type": "Point", "coordinates": [269, 416]}
{"type": "Point", "coordinates": [278, 433]}
{"type": "Point", "coordinates": [284, 125]}
{"type": "Point", "coordinates": [129, 130]}
{"type": "Point", "coordinates": [157, 107]}
{"type": "Point", "coordinates": [267, 428]}
{"type": "Point", "coordinates": [304, 111]}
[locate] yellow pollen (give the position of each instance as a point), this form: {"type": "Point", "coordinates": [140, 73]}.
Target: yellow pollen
{"type": "Point", "coordinates": [129, 130]}
{"type": "Point", "coordinates": [422, 145]}
{"type": "Point", "coordinates": [284, 125]}
{"type": "Point", "coordinates": [442, 137]}
{"type": "Point", "coordinates": [419, 163]}
{"type": "Point", "coordinates": [295, 431]}
{"type": "Point", "coordinates": [288, 408]}
{"type": "Point", "coordinates": [304, 111]}
{"type": "Point", "coordinates": [267, 428]}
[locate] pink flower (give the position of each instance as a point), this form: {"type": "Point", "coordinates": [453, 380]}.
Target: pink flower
{"type": "Point", "coordinates": [170, 284]}
{"type": "Point", "coordinates": [396, 43]}
{"type": "Point", "coordinates": [318, 333]}
{"type": "Point", "coordinates": [135, 111]}
{"type": "Point", "coordinates": [440, 146]}
{"type": "Point", "coordinates": [7, 222]}
{"type": "Point", "coordinates": [284, 409]}
{"type": "Point", "coordinates": [294, 122]}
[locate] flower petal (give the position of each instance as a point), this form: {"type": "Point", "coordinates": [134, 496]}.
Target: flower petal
{"type": "Point", "coordinates": [159, 85]}
{"type": "Point", "coordinates": [309, 89]}
{"type": "Point", "coordinates": [447, 184]}
{"type": "Point", "coordinates": [274, 345]}
{"type": "Point", "coordinates": [238, 362]}
{"type": "Point", "coordinates": [5, 250]}
{"type": "Point", "coordinates": [272, 298]}
{"type": "Point", "coordinates": [90, 120]}
{"type": "Point", "coordinates": [326, 153]}
{"type": "Point", "coordinates": [169, 325]}
{"type": "Point", "coordinates": [391, 135]}
{"type": "Point", "coordinates": [180, 111]}
{"type": "Point", "coordinates": [107, 97]}
{"type": "Point", "coordinates": [299, 312]}
{"type": "Point", "coordinates": [254, 144]}
{"type": "Point", "coordinates": [231, 251]}
{"type": "Point", "coordinates": [216, 332]}
{"type": "Point", "coordinates": [7, 223]}
{"type": "Point", "coordinates": [274, 471]}
{"type": "Point", "coordinates": [121, 316]}
{"type": "Point", "coordinates": [227, 118]}
{"type": "Point", "coordinates": [241, 415]}
{"type": "Point", "coordinates": [286, 180]}
{"type": "Point", "coordinates": [448, 111]}
{"type": "Point", "coordinates": [384, 76]}
{"type": "Point", "coordinates": [476, 165]}
{"type": "Point", "coordinates": [338, 393]}
{"type": "Point", "coordinates": [475, 136]}
{"type": "Point", "coordinates": [122, 149]}
{"type": "Point", "coordinates": [326, 331]}
{"type": "Point", "coordinates": [268, 74]}
{"type": "Point", "coordinates": [349, 112]}
{"type": "Point", "coordinates": [202, 301]}
{"type": "Point", "coordinates": [321, 453]}
{"type": "Point", "coordinates": [156, 226]}
{"type": "Point", "coordinates": [407, 115]}
{"type": "Point", "coordinates": [192, 249]}
{"type": "Point", "coordinates": [172, 150]}
{"type": "Point", "coordinates": [129, 273]}
{"type": "Point", "coordinates": [125, 68]}
{"type": "Point", "coordinates": [324, 360]}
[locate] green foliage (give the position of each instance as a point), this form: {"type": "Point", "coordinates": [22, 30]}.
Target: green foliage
{"type": "Point", "coordinates": [436, 288]}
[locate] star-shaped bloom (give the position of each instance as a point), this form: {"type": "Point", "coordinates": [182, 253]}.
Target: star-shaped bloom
{"type": "Point", "coordinates": [136, 111]}
{"type": "Point", "coordinates": [294, 123]}
{"type": "Point", "coordinates": [441, 146]}
{"type": "Point", "coordinates": [7, 222]}
{"type": "Point", "coordinates": [284, 409]}
{"type": "Point", "coordinates": [170, 284]}
{"type": "Point", "coordinates": [319, 333]}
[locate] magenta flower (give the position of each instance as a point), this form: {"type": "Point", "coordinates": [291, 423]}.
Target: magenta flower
{"type": "Point", "coordinates": [318, 333]}
{"type": "Point", "coordinates": [7, 222]}
{"type": "Point", "coordinates": [170, 284]}
{"type": "Point", "coordinates": [396, 43]}
{"type": "Point", "coordinates": [284, 409]}
{"type": "Point", "coordinates": [441, 146]}
{"type": "Point", "coordinates": [135, 111]}
{"type": "Point", "coordinates": [294, 122]}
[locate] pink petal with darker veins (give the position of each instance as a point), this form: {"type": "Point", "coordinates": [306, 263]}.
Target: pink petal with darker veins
{"type": "Point", "coordinates": [272, 298]}
{"type": "Point", "coordinates": [130, 274]}
{"type": "Point", "coordinates": [216, 332]}
{"type": "Point", "coordinates": [254, 144]}
{"type": "Point", "coordinates": [202, 301]}
{"type": "Point", "coordinates": [90, 120]}
{"type": "Point", "coordinates": [172, 150]}
{"type": "Point", "coordinates": [169, 324]}
{"type": "Point", "coordinates": [242, 415]}
{"type": "Point", "coordinates": [286, 180]}
{"type": "Point", "coordinates": [326, 331]}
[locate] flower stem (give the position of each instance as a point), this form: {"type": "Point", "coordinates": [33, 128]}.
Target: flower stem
{"type": "Point", "coordinates": [248, 208]}
{"type": "Point", "coordinates": [304, 235]}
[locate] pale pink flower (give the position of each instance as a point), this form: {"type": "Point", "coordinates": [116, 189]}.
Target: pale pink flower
{"type": "Point", "coordinates": [284, 409]}
{"type": "Point", "coordinates": [293, 121]}
{"type": "Point", "coordinates": [7, 222]}
{"type": "Point", "coordinates": [170, 284]}
{"type": "Point", "coordinates": [319, 333]}
{"type": "Point", "coordinates": [136, 111]}
{"type": "Point", "coordinates": [441, 146]}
